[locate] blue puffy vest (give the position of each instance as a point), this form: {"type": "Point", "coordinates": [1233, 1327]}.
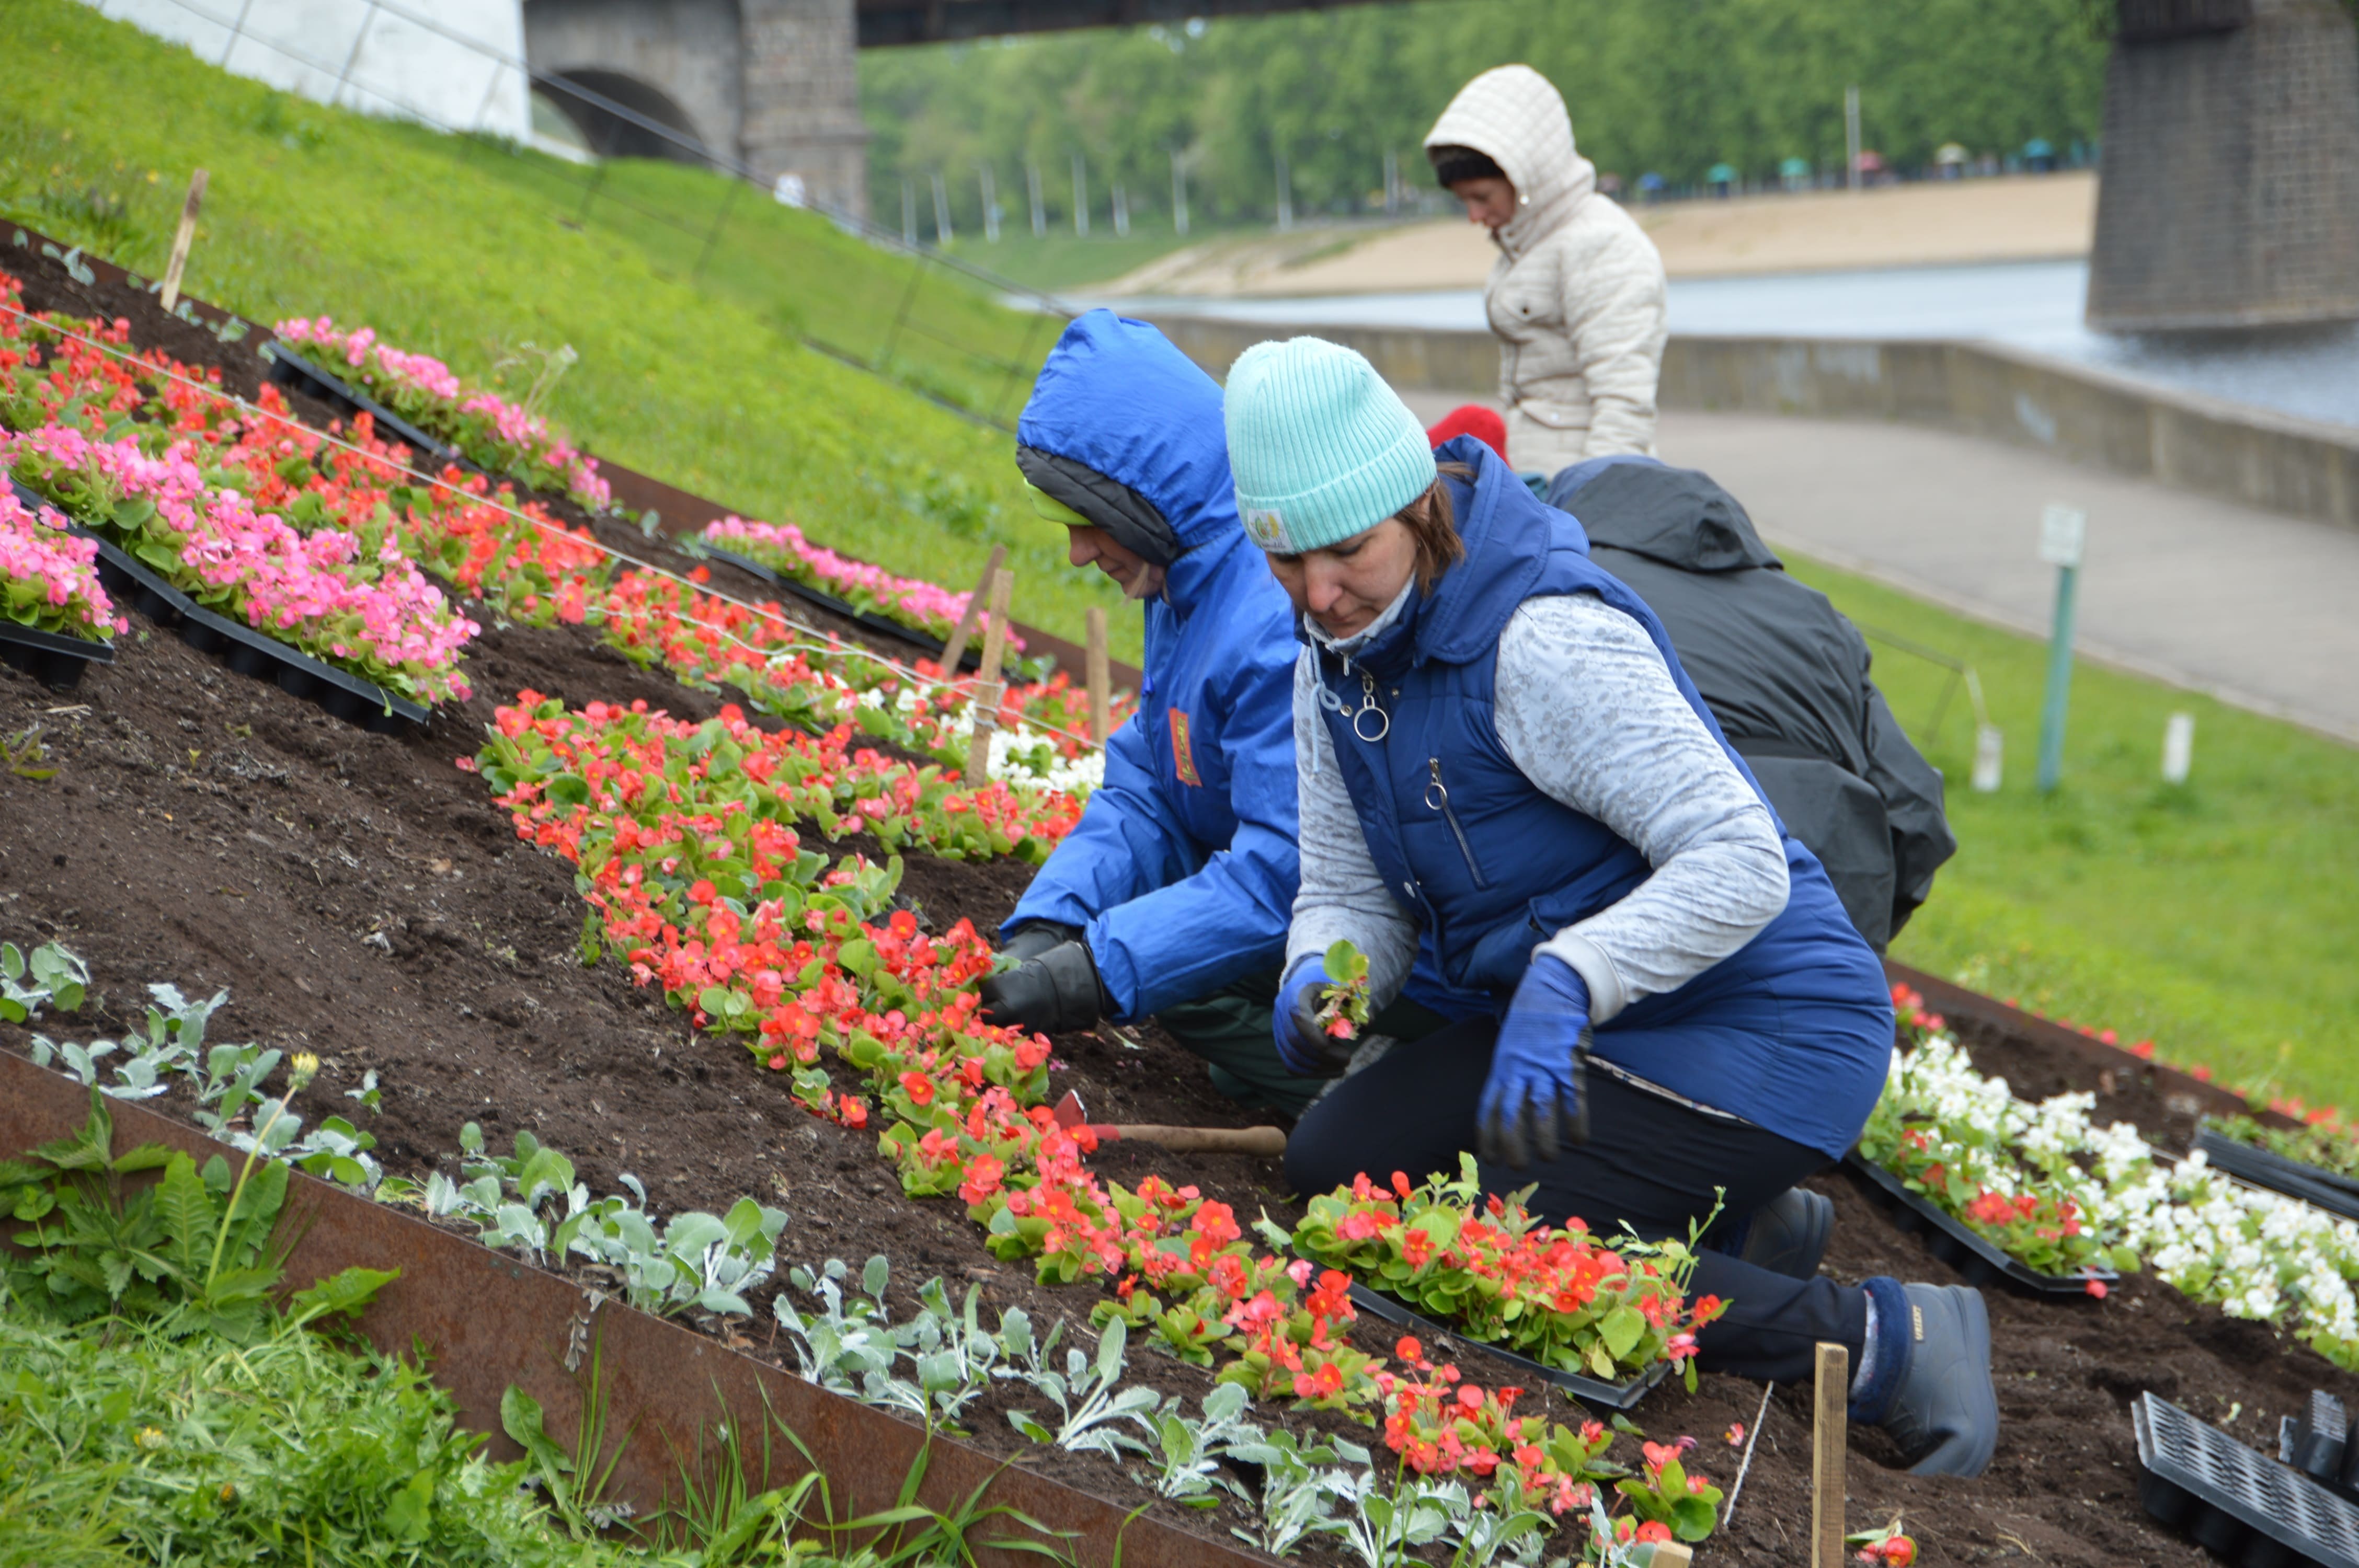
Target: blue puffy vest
{"type": "Point", "coordinates": [1792, 1032]}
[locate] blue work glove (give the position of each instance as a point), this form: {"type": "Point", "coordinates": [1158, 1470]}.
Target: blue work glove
{"type": "Point", "coordinates": [1303, 1046]}
{"type": "Point", "coordinates": [1531, 1106]}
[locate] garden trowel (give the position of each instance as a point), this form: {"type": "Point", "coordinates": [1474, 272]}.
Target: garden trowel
{"type": "Point", "coordinates": [1268, 1142]}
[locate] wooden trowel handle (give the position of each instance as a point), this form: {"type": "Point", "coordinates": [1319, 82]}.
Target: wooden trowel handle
{"type": "Point", "coordinates": [1268, 1142]}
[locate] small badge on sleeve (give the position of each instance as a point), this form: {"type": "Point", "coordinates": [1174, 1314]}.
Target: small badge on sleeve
{"type": "Point", "coordinates": [1183, 759]}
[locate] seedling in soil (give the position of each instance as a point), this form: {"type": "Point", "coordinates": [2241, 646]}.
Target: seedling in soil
{"type": "Point", "coordinates": [1191, 1450]}
{"type": "Point", "coordinates": [528, 1202]}
{"type": "Point", "coordinates": [49, 976]}
{"type": "Point", "coordinates": [1090, 1406]}
{"type": "Point", "coordinates": [1886, 1547]}
{"type": "Point", "coordinates": [24, 753]}
{"type": "Point", "coordinates": [1343, 1005]}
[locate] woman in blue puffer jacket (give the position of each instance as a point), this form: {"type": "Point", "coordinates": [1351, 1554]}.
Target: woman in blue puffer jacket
{"type": "Point", "coordinates": [1501, 768]}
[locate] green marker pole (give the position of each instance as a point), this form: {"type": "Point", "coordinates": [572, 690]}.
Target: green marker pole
{"type": "Point", "coordinates": [2060, 681]}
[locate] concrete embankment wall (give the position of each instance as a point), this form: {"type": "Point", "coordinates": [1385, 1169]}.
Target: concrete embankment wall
{"type": "Point", "coordinates": [2231, 451]}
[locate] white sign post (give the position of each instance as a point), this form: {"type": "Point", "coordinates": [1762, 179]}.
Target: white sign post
{"type": "Point", "coordinates": [2063, 530]}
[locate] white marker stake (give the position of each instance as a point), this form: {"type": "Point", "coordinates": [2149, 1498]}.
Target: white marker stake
{"type": "Point", "coordinates": [2178, 748]}
{"type": "Point", "coordinates": [1990, 758]}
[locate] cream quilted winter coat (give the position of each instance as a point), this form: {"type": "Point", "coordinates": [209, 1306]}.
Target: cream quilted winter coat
{"type": "Point", "coordinates": [1576, 297]}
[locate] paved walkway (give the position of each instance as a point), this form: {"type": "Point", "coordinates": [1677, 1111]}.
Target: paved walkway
{"type": "Point", "coordinates": [2256, 609]}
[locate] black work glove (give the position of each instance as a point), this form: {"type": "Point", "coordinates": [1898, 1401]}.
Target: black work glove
{"type": "Point", "coordinates": [1036, 937]}
{"type": "Point", "coordinates": [1054, 992]}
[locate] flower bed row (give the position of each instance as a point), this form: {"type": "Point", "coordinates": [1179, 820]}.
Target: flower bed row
{"type": "Point", "coordinates": [256, 520]}
{"type": "Point", "coordinates": [911, 602]}
{"type": "Point", "coordinates": [2055, 1190]}
{"type": "Point", "coordinates": [511, 439]}
{"type": "Point", "coordinates": [500, 436]}
{"type": "Point", "coordinates": [684, 841]}
{"type": "Point", "coordinates": [324, 530]}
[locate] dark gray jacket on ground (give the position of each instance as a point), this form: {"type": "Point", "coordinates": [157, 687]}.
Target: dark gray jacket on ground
{"type": "Point", "coordinates": [1784, 672]}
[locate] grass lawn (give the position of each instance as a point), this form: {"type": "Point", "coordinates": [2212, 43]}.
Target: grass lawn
{"type": "Point", "coordinates": [1062, 259]}
{"type": "Point", "coordinates": [467, 249]}
{"type": "Point", "coordinates": [2215, 918]}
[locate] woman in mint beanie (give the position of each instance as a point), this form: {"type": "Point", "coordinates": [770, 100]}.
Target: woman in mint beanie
{"type": "Point", "coordinates": [1506, 778]}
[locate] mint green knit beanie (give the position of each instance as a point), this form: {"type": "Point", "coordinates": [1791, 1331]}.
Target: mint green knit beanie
{"type": "Point", "coordinates": [1322, 448]}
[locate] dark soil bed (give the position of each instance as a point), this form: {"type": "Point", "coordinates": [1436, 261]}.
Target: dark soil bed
{"type": "Point", "coordinates": [361, 898]}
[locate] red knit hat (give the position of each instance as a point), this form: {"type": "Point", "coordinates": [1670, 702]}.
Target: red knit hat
{"type": "Point", "coordinates": [1472, 419]}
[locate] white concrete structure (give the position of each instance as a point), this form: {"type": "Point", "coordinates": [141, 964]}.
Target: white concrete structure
{"type": "Point", "coordinates": [453, 64]}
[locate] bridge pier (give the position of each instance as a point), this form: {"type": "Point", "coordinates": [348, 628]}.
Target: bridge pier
{"type": "Point", "coordinates": [2230, 195]}
{"type": "Point", "coordinates": [802, 99]}
{"type": "Point", "coordinates": [773, 84]}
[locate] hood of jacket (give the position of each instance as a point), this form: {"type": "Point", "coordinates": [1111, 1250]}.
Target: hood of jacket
{"type": "Point", "coordinates": [1677, 516]}
{"type": "Point", "coordinates": [1513, 116]}
{"type": "Point", "coordinates": [1116, 399]}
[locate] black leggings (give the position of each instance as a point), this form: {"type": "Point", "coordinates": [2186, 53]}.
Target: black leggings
{"type": "Point", "coordinates": [1649, 1162]}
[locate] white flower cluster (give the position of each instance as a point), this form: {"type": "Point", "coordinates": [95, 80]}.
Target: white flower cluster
{"type": "Point", "coordinates": [2255, 1254]}
{"type": "Point", "coordinates": [1027, 759]}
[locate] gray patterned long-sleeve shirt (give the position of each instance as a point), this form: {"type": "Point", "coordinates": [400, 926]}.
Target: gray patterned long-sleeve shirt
{"type": "Point", "coordinates": [1586, 708]}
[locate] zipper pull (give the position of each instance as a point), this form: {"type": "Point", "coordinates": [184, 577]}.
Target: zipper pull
{"type": "Point", "coordinates": [1437, 794]}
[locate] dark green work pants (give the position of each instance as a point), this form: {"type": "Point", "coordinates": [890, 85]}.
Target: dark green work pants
{"type": "Point", "coordinates": [1232, 1030]}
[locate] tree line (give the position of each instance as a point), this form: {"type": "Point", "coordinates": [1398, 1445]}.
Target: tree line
{"type": "Point", "coordinates": [1670, 87]}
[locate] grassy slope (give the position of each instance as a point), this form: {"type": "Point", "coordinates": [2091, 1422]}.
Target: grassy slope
{"type": "Point", "coordinates": [459, 249]}
{"type": "Point", "coordinates": [2216, 917]}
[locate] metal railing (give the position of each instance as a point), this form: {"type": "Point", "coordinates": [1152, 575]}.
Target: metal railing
{"type": "Point", "coordinates": [946, 328]}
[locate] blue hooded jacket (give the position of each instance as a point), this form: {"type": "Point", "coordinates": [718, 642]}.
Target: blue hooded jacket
{"type": "Point", "coordinates": [1183, 869]}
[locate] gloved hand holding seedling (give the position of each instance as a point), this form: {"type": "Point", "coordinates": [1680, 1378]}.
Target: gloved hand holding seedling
{"type": "Point", "coordinates": [1322, 1007]}
{"type": "Point", "coordinates": [1343, 1001]}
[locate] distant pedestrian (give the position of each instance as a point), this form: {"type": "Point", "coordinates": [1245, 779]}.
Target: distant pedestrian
{"type": "Point", "coordinates": [1576, 297]}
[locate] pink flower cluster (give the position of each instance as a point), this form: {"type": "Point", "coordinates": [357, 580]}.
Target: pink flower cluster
{"type": "Point", "coordinates": [317, 590]}
{"type": "Point", "coordinates": [48, 581]}
{"type": "Point", "coordinates": [911, 600]}
{"type": "Point", "coordinates": [487, 427]}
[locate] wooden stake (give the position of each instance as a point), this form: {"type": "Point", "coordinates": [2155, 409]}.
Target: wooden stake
{"type": "Point", "coordinates": [1100, 700]}
{"type": "Point", "coordinates": [182, 240]}
{"type": "Point", "coordinates": [1828, 1443]}
{"type": "Point", "coordinates": [988, 691]}
{"type": "Point", "coordinates": [955, 649]}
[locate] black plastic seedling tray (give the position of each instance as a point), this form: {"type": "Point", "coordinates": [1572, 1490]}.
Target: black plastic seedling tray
{"type": "Point", "coordinates": [1980, 1260]}
{"type": "Point", "coordinates": [2244, 1506]}
{"type": "Point", "coordinates": [290, 369]}
{"type": "Point", "coordinates": [925, 642]}
{"type": "Point", "coordinates": [1591, 1391]}
{"type": "Point", "coordinates": [2312, 1185]}
{"type": "Point", "coordinates": [56, 662]}
{"type": "Point", "coordinates": [243, 649]}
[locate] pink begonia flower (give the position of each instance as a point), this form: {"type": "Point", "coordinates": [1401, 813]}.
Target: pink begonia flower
{"type": "Point", "coordinates": [36, 548]}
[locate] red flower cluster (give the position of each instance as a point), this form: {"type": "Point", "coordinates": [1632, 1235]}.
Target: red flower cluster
{"type": "Point", "coordinates": [1563, 1297]}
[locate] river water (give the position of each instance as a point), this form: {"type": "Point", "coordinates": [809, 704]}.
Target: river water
{"type": "Point", "coordinates": [2310, 372]}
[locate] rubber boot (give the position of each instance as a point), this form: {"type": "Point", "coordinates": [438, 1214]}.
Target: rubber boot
{"type": "Point", "coordinates": [1787, 1235]}
{"type": "Point", "coordinates": [1930, 1378]}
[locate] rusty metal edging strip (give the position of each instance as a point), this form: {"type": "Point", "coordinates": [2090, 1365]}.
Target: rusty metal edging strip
{"type": "Point", "coordinates": [1955, 1000]}
{"type": "Point", "coordinates": [486, 1320]}
{"type": "Point", "coordinates": [679, 510]}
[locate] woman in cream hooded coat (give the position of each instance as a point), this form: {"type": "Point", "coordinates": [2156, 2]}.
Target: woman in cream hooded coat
{"type": "Point", "coordinates": [1576, 297]}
